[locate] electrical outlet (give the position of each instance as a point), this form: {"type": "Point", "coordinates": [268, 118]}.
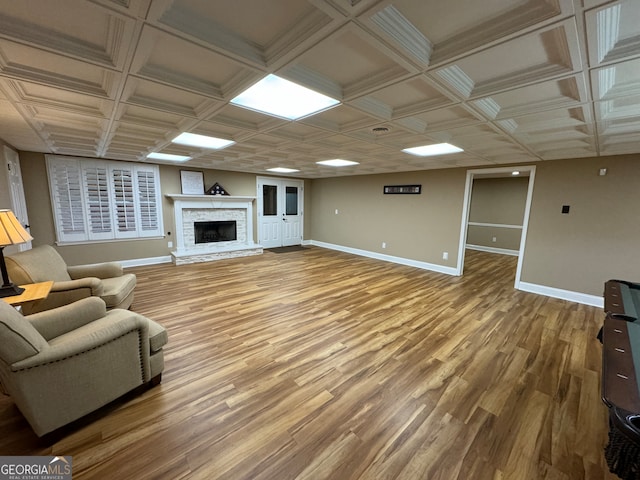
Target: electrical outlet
{"type": "Point", "coordinates": [384, 244]}
{"type": "Point", "coordinates": [494, 239]}
{"type": "Point", "coordinates": [170, 244]}
{"type": "Point", "coordinates": [336, 211]}
{"type": "Point", "coordinates": [445, 255]}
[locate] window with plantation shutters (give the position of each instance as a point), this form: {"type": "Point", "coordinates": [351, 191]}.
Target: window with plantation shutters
{"type": "Point", "coordinates": [98, 200]}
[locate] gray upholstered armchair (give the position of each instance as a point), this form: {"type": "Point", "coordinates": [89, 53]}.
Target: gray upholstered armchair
{"type": "Point", "coordinates": [71, 283]}
{"type": "Point", "coordinates": [64, 363]}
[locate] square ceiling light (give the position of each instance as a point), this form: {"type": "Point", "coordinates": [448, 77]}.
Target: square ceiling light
{"type": "Point", "coordinates": [168, 156]}
{"type": "Point", "coordinates": [337, 162]}
{"type": "Point", "coordinates": [202, 141]}
{"type": "Point", "coordinates": [431, 150]}
{"type": "Point", "coordinates": [281, 98]}
{"type": "Point", "coordinates": [282, 170]}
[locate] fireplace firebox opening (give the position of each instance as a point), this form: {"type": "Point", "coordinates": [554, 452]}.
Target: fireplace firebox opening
{"type": "Point", "coordinates": [219, 231]}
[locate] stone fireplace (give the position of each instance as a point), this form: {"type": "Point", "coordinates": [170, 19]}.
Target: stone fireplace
{"type": "Point", "coordinates": [211, 227]}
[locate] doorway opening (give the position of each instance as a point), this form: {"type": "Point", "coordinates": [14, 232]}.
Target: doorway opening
{"type": "Point", "coordinates": [466, 224]}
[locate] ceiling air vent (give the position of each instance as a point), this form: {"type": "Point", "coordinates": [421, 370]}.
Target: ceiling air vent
{"type": "Point", "coordinates": [380, 130]}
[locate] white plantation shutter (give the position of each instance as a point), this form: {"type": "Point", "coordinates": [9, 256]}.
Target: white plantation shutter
{"type": "Point", "coordinates": [95, 200]}
{"type": "Point", "coordinates": [96, 184]}
{"type": "Point", "coordinates": [65, 185]}
{"type": "Point", "coordinates": [148, 200]}
{"type": "Point", "coordinates": [124, 201]}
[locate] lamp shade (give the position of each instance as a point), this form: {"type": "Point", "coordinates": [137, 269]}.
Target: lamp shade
{"type": "Point", "coordinates": [11, 231]}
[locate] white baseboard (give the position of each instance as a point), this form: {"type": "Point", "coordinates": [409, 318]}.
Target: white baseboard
{"type": "Point", "coordinates": [569, 295]}
{"type": "Point", "coordinates": [387, 258]}
{"type": "Point", "coordinates": [576, 297]}
{"type": "Point", "coordinates": [140, 262]}
{"type": "Point", "coordinates": [501, 251]}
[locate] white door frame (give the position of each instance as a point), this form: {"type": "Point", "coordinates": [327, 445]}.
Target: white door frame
{"type": "Point", "coordinates": [16, 191]}
{"type": "Point", "coordinates": [282, 182]}
{"type": "Point", "coordinates": [488, 172]}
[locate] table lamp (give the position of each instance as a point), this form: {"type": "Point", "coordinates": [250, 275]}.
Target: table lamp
{"type": "Point", "coordinates": [11, 233]}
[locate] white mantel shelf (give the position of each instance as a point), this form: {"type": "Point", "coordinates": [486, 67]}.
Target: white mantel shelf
{"type": "Point", "coordinates": [188, 254]}
{"type": "Point", "coordinates": [205, 198]}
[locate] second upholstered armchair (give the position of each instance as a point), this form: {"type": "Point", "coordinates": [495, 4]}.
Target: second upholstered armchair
{"type": "Point", "coordinates": [71, 283]}
{"type": "Point", "coordinates": [62, 364]}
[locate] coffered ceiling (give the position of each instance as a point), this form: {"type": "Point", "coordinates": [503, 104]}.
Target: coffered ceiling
{"type": "Point", "coordinates": [509, 81]}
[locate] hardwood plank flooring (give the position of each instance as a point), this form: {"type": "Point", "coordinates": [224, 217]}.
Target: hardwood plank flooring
{"type": "Point", "coordinates": [318, 364]}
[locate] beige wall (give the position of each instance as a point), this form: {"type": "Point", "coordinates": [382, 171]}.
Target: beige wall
{"type": "Point", "coordinates": [417, 227]}
{"type": "Point", "coordinates": [599, 238]}
{"type": "Point", "coordinates": [483, 236]}
{"type": "Point", "coordinates": [577, 252]}
{"type": "Point", "coordinates": [41, 217]}
{"type": "Point", "coordinates": [498, 201]}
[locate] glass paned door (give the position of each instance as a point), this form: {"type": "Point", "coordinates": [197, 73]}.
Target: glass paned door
{"type": "Point", "coordinates": [279, 212]}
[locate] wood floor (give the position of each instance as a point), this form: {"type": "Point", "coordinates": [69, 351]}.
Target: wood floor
{"type": "Point", "coordinates": [318, 364]}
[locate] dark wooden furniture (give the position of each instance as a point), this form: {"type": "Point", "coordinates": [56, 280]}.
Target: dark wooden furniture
{"type": "Point", "coordinates": [621, 343]}
{"type": "Point", "coordinates": [620, 375]}
{"type": "Point", "coordinates": [622, 299]}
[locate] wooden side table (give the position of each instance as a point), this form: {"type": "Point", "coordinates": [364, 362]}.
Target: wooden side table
{"type": "Point", "coordinates": [32, 293]}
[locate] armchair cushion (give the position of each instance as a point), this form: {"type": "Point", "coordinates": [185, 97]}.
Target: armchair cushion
{"type": "Point", "coordinates": [58, 321]}
{"type": "Point", "coordinates": [117, 289]}
{"type": "Point", "coordinates": [39, 264]}
{"type": "Point", "coordinates": [19, 338]}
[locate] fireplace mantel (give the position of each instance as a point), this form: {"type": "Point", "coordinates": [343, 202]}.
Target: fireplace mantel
{"type": "Point", "coordinates": [209, 198]}
{"type": "Point", "coordinates": [186, 252]}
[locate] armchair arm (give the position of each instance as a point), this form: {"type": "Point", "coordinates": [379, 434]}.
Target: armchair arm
{"type": "Point", "coordinates": [93, 285]}
{"type": "Point", "coordinates": [99, 270]}
{"type": "Point", "coordinates": [93, 335]}
{"type": "Point", "coordinates": [61, 320]}
{"type": "Point", "coordinates": [66, 292]}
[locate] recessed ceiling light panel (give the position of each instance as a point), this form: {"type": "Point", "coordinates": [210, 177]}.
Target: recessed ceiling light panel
{"type": "Point", "coordinates": [430, 150]}
{"type": "Point", "coordinates": [282, 170]}
{"type": "Point", "coordinates": [168, 156]}
{"type": "Point", "coordinates": [337, 162]}
{"type": "Point", "coordinates": [279, 97]}
{"type": "Point", "coordinates": [202, 141]}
